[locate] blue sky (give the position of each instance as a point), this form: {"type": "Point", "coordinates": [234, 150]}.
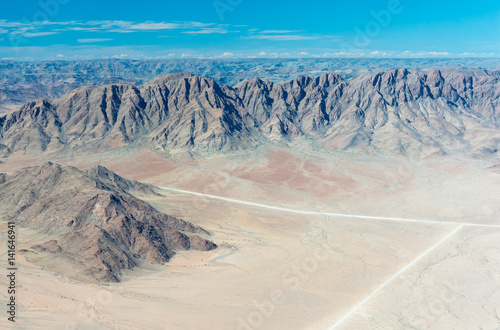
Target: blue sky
{"type": "Point", "coordinates": [75, 29]}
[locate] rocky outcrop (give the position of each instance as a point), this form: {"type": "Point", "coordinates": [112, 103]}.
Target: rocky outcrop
{"type": "Point", "coordinates": [92, 221]}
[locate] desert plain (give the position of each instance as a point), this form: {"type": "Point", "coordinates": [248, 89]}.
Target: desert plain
{"type": "Point", "coordinates": [306, 240]}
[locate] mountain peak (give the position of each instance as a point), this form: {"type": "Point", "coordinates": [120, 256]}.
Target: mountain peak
{"type": "Point", "coordinates": [329, 79]}
{"type": "Point", "coordinates": [179, 76]}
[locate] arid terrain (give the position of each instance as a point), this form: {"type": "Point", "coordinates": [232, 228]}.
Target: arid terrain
{"type": "Point", "coordinates": [426, 255]}
{"type": "Point", "coordinates": [368, 200]}
{"type": "Point", "coordinates": [250, 165]}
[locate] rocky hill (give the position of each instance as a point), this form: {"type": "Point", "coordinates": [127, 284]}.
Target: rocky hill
{"type": "Point", "coordinates": [399, 111]}
{"type": "Point", "coordinates": [91, 221]}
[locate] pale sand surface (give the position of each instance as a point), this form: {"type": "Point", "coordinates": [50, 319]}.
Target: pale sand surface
{"type": "Point", "coordinates": [322, 266]}
{"type": "Point", "coordinates": [456, 287]}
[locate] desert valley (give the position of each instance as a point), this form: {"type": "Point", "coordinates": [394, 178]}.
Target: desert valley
{"type": "Point", "coordinates": [330, 201]}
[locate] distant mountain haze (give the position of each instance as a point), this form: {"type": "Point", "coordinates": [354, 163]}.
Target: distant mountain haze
{"type": "Point", "coordinates": [21, 82]}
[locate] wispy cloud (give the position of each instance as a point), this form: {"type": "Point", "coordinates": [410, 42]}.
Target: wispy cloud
{"type": "Point", "coordinates": [281, 37]}
{"type": "Point", "coordinates": [378, 53]}
{"type": "Point", "coordinates": [225, 54]}
{"type": "Point", "coordinates": [424, 53]}
{"type": "Point", "coordinates": [92, 40]}
{"type": "Point", "coordinates": [208, 31]}
{"type": "Point", "coordinates": [81, 28]}
{"type": "Point", "coordinates": [128, 26]}
{"type": "Point", "coordinates": [37, 34]}
{"type": "Point", "coordinates": [155, 26]}
{"type": "Point", "coordinates": [436, 53]}
{"type": "Point", "coordinates": [279, 31]}
{"type": "Point", "coordinates": [7, 24]}
{"type": "Point", "coordinates": [108, 26]}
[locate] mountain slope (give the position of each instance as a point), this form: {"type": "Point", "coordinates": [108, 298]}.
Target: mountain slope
{"type": "Point", "coordinates": [399, 111]}
{"type": "Point", "coordinates": [91, 221]}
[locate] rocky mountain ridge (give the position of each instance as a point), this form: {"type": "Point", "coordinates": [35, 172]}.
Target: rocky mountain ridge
{"type": "Point", "coordinates": [399, 111]}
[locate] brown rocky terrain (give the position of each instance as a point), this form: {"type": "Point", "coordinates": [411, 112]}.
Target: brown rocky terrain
{"type": "Point", "coordinates": [377, 220]}
{"type": "Point", "coordinates": [399, 111]}
{"type": "Point", "coordinates": [92, 221]}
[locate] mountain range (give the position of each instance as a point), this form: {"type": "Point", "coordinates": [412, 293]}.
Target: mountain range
{"type": "Point", "coordinates": [21, 82]}
{"type": "Point", "coordinates": [399, 111]}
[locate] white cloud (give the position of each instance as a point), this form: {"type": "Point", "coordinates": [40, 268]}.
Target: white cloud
{"type": "Point", "coordinates": [226, 54]}
{"type": "Point", "coordinates": [60, 55]}
{"type": "Point", "coordinates": [92, 40]}
{"type": "Point", "coordinates": [83, 29]}
{"type": "Point", "coordinates": [262, 54]}
{"type": "Point", "coordinates": [37, 34]}
{"type": "Point", "coordinates": [378, 53]}
{"type": "Point", "coordinates": [55, 23]}
{"type": "Point", "coordinates": [198, 24]}
{"type": "Point", "coordinates": [106, 24]}
{"type": "Point", "coordinates": [427, 53]}
{"type": "Point", "coordinates": [281, 37]}
{"type": "Point", "coordinates": [4, 23]}
{"type": "Point", "coordinates": [467, 54]}
{"type": "Point", "coordinates": [121, 31]}
{"type": "Point", "coordinates": [208, 31]}
{"type": "Point", "coordinates": [437, 53]}
{"type": "Point", "coordinates": [278, 31]}
{"type": "Point", "coordinates": [154, 26]}
{"type": "Point", "coordinates": [111, 26]}
{"type": "Point", "coordinates": [344, 54]}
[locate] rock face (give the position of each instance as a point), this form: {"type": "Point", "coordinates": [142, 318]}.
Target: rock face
{"type": "Point", "coordinates": [91, 221]}
{"type": "Point", "coordinates": [399, 111]}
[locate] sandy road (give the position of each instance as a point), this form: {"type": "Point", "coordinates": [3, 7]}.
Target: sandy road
{"type": "Point", "coordinates": [399, 272]}
{"type": "Point", "coordinates": [343, 215]}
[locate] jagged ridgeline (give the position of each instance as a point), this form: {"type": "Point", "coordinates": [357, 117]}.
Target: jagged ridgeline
{"type": "Point", "coordinates": [399, 111]}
